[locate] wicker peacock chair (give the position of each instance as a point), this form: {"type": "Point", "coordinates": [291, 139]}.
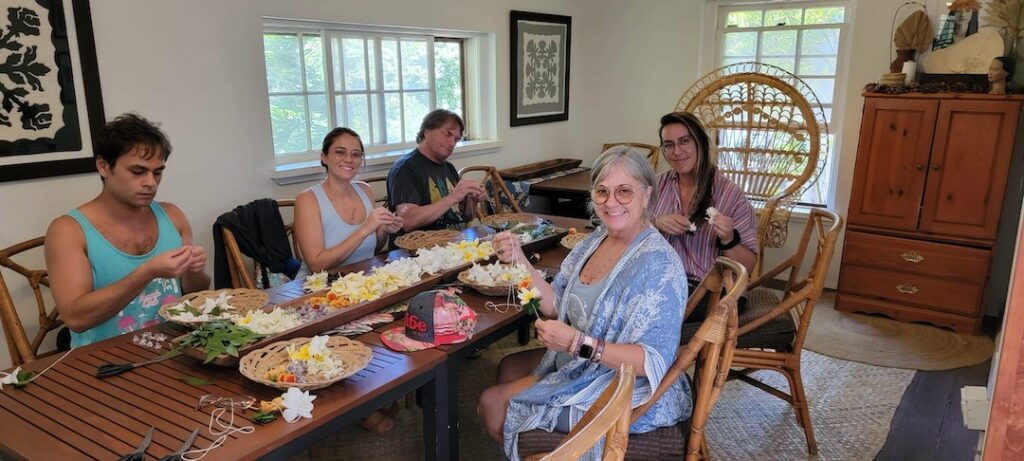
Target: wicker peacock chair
{"type": "Point", "coordinates": [771, 137]}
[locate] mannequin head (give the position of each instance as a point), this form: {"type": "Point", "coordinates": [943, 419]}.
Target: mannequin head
{"type": "Point", "coordinates": [1001, 70]}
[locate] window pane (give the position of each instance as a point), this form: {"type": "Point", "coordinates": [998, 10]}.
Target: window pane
{"type": "Point", "coordinates": [820, 41]}
{"type": "Point", "coordinates": [336, 63]}
{"type": "Point", "coordinates": [789, 64]}
{"type": "Point", "coordinates": [393, 115]}
{"type": "Point", "coordinates": [414, 65]}
{"type": "Point", "coordinates": [743, 19]}
{"type": "Point", "coordinates": [319, 118]}
{"type": "Point", "coordinates": [740, 43]}
{"type": "Point", "coordinates": [371, 56]}
{"type": "Point", "coordinates": [818, 66]}
{"type": "Point", "coordinates": [778, 42]}
{"type": "Point", "coordinates": [378, 123]}
{"type": "Point", "coordinates": [829, 15]}
{"type": "Point", "coordinates": [389, 63]}
{"type": "Point", "coordinates": [355, 65]}
{"type": "Point", "coordinates": [358, 117]}
{"type": "Point", "coordinates": [313, 53]}
{"type": "Point", "coordinates": [823, 88]}
{"type": "Point", "coordinates": [288, 122]}
{"type": "Point", "coordinates": [416, 107]}
{"type": "Point", "coordinates": [448, 75]}
{"type": "Point", "coordinates": [789, 17]}
{"type": "Point", "coordinates": [727, 61]}
{"type": "Point", "coordinates": [281, 53]}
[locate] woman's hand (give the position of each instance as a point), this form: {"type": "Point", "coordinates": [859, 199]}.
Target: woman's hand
{"type": "Point", "coordinates": [723, 226]}
{"type": "Point", "coordinates": [508, 248]}
{"type": "Point", "coordinates": [555, 335]}
{"type": "Point", "coordinates": [381, 218]}
{"type": "Point", "coordinates": [673, 224]}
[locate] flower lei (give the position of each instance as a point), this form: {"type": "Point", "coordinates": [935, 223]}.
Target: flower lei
{"type": "Point", "coordinates": [529, 296]}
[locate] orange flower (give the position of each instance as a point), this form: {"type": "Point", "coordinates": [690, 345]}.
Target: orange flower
{"type": "Point", "coordinates": [525, 283]}
{"type": "Point", "coordinates": [572, 230]}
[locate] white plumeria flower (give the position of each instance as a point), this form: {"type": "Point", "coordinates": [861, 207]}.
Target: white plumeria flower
{"type": "Point", "coordinates": [318, 347]}
{"type": "Point", "coordinates": [297, 404]}
{"type": "Point", "coordinates": [210, 303]}
{"type": "Point", "coordinates": [712, 212]}
{"type": "Point", "coordinates": [10, 378]}
{"type": "Point", "coordinates": [316, 282]}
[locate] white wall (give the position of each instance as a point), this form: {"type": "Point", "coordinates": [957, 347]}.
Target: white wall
{"type": "Point", "coordinates": [197, 67]}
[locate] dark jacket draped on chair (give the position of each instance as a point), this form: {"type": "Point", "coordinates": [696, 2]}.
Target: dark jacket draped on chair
{"type": "Point", "coordinates": [261, 235]}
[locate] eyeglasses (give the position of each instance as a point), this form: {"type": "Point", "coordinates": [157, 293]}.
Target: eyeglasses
{"type": "Point", "coordinates": [353, 154]}
{"type": "Point", "coordinates": [623, 194]}
{"type": "Point", "coordinates": [669, 147]}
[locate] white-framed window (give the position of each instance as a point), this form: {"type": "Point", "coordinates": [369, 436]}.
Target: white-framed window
{"type": "Point", "coordinates": [804, 38]}
{"type": "Point", "coordinates": [379, 81]}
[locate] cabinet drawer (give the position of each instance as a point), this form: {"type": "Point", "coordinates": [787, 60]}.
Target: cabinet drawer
{"type": "Point", "coordinates": [907, 255]}
{"type": "Point", "coordinates": [942, 294]}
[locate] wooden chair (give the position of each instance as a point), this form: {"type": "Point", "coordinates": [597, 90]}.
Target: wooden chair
{"type": "Point", "coordinates": [240, 275]}
{"type": "Point", "coordinates": [21, 349]}
{"type": "Point", "coordinates": [608, 418]}
{"type": "Point", "coordinates": [760, 346]}
{"type": "Point", "coordinates": [771, 138]}
{"type": "Point", "coordinates": [376, 182]}
{"type": "Point", "coordinates": [653, 152]}
{"type": "Point", "coordinates": [498, 188]}
{"type": "Point", "coordinates": [711, 349]}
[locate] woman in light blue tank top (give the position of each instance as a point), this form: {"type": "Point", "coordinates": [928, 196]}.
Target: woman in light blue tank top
{"type": "Point", "coordinates": [335, 222]}
{"type": "Point", "coordinates": [110, 264]}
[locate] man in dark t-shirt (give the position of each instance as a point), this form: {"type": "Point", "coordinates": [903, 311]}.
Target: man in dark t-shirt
{"type": "Point", "coordinates": [424, 188]}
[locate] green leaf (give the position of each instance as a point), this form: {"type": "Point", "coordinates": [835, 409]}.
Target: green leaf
{"type": "Point", "coordinates": [194, 380]}
{"type": "Point", "coordinates": [191, 310]}
{"type": "Point", "coordinates": [215, 311]}
{"type": "Point", "coordinates": [23, 378]}
{"type": "Point", "coordinates": [264, 417]}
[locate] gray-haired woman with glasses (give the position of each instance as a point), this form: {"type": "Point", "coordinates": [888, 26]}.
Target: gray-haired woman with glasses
{"type": "Point", "coordinates": [686, 195]}
{"type": "Point", "coordinates": [615, 300]}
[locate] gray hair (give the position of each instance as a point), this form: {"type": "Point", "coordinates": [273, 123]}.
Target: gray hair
{"type": "Point", "coordinates": [634, 163]}
{"type": "Point", "coordinates": [436, 119]}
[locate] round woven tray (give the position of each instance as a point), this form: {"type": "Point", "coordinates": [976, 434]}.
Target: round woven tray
{"type": "Point", "coordinates": [426, 239]}
{"type": "Point", "coordinates": [242, 299]}
{"type": "Point", "coordinates": [508, 220]}
{"type": "Point", "coordinates": [571, 240]}
{"type": "Point", "coordinates": [489, 290]}
{"type": "Point", "coordinates": [353, 355]}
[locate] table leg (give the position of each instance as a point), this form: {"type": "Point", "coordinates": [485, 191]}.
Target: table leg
{"type": "Point", "coordinates": [446, 395]}
{"type": "Point", "coordinates": [524, 334]}
{"type": "Point", "coordinates": [430, 419]}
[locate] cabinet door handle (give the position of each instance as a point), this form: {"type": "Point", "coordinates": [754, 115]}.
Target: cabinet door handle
{"type": "Point", "coordinates": [906, 288]}
{"type": "Point", "coordinates": [936, 167]}
{"type": "Point", "coordinates": [912, 257]}
{"type": "Point", "coordinates": [919, 167]}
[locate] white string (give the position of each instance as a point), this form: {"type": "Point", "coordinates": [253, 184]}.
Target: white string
{"type": "Point", "coordinates": [33, 378]}
{"type": "Point", "coordinates": [223, 433]}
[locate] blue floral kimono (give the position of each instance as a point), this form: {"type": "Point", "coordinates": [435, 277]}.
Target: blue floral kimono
{"type": "Point", "coordinates": [641, 304]}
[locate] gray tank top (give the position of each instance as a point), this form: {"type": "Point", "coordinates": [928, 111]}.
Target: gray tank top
{"type": "Point", "coordinates": [336, 230]}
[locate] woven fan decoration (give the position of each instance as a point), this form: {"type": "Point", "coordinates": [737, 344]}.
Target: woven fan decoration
{"type": "Point", "coordinates": [1007, 15]}
{"type": "Point", "coordinates": [915, 33]}
{"type": "Point", "coordinates": [771, 137]}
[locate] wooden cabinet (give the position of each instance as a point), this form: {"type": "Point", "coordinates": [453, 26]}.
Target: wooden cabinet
{"type": "Point", "coordinates": [928, 190]}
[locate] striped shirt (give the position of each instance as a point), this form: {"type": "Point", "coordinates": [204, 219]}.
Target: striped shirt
{"type": "Point", "coordinates": [699, 249]}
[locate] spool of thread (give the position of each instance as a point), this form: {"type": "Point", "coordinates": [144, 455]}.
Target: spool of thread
{"type": "Point", "coordinates": [910, 68]}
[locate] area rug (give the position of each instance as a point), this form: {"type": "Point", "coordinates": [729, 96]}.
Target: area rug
{"type": "Point", "coordinates": [877, 340]}
{"type": "Point", "coordinates": [852, 405]}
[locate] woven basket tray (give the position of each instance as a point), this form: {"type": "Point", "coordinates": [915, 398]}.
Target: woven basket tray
{"type": "Point", "coordinates": [354, 356]}
{"type": "Point", "coordinates": [426, 239]}
{"type": "Point", "coordinates": [508, 220]}
{"type": "Point", "coordinates": [243, 300]}
{"type": "Point", "coordinates": [571, 240]}
{"type": "Point", "coordinates": [489, 290]}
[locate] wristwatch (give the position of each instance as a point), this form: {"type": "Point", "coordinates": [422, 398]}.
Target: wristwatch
{"type": "Point", "coordinates": [587, 348]}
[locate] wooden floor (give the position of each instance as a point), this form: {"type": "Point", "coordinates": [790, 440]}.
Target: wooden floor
{"type": "Point", "coordinates": [928, 424]}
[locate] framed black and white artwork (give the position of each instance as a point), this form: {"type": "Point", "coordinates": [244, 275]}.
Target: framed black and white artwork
{"type": "Point", "coordinates": [50, 101]}
{"type": "Point", "coordinates": [539, 67]}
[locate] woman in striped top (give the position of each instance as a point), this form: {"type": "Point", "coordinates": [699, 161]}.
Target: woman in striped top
{"type": "Point", "coordinates": [699, 211]}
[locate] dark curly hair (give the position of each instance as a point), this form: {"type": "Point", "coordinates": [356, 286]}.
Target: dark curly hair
{"type": "Point", "coordinates": [127, 132]}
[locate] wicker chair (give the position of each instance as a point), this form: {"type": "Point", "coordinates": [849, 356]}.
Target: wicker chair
{"type": "Point", "coordinates": [763, 343]}
{"type": "Point", "coordinates": [240, 275]}
{"type": "Point", "coordinates": [771, 136]}
{"type": "Point", "coordinates": [711, 348]}
{"type": "Point", "coordinates": [498, 188]}
{"type": "Point", "coordinates": [608, 418]}
{"type": "Point", "coordinates": [21, 349]}
{"type": "Point", "coordinates": [652, 151]}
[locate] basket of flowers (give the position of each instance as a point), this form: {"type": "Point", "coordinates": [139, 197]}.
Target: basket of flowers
{"type": "Point", "coordinates": [306, 363]}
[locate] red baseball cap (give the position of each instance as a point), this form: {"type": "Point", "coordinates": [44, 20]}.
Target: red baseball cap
{"type": "Point", "coordinates": [434, 317]}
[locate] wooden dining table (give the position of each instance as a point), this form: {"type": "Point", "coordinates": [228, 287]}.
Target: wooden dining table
{"type": "Point", "coordinates": [68, 413]}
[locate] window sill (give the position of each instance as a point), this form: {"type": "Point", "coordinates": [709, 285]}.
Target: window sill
{"type": "Point", "coordinates": [311, 170]}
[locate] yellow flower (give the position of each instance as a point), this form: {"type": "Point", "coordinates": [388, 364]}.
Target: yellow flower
{"type": "Point", "coordinates": [245, 320]}
{"type": "Point", "coordinates": [301, 354]}
{"type": "Point", "coordinates": [527, 295]}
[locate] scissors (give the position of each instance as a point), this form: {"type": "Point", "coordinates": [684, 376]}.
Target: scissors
{"type": "Point", "coordinates": [176, 456]}
{"type": "Point", "coordinates": [113, 369]}
{"type": "Point", "coordinates": [140, 453]}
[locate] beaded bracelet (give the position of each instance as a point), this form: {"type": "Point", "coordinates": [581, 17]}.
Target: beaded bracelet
{"type": "Point", "coordinates": [598, 352]}
{"type": "Point", "coordinates": [577, 341]}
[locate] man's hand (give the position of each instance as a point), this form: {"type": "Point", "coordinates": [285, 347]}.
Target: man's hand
{"type": "Point", "coordinates": [673, 224]}
{"type": "Point", "coordinates": [197, 263]}
{"type": "Point", "coordinates": [468, 187]}
{"type": "Point", "coordinates": [169, 264]}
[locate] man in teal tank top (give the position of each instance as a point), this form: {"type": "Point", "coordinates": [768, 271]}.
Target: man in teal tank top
{"type": "Point", "coordinates": [115, 260]}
